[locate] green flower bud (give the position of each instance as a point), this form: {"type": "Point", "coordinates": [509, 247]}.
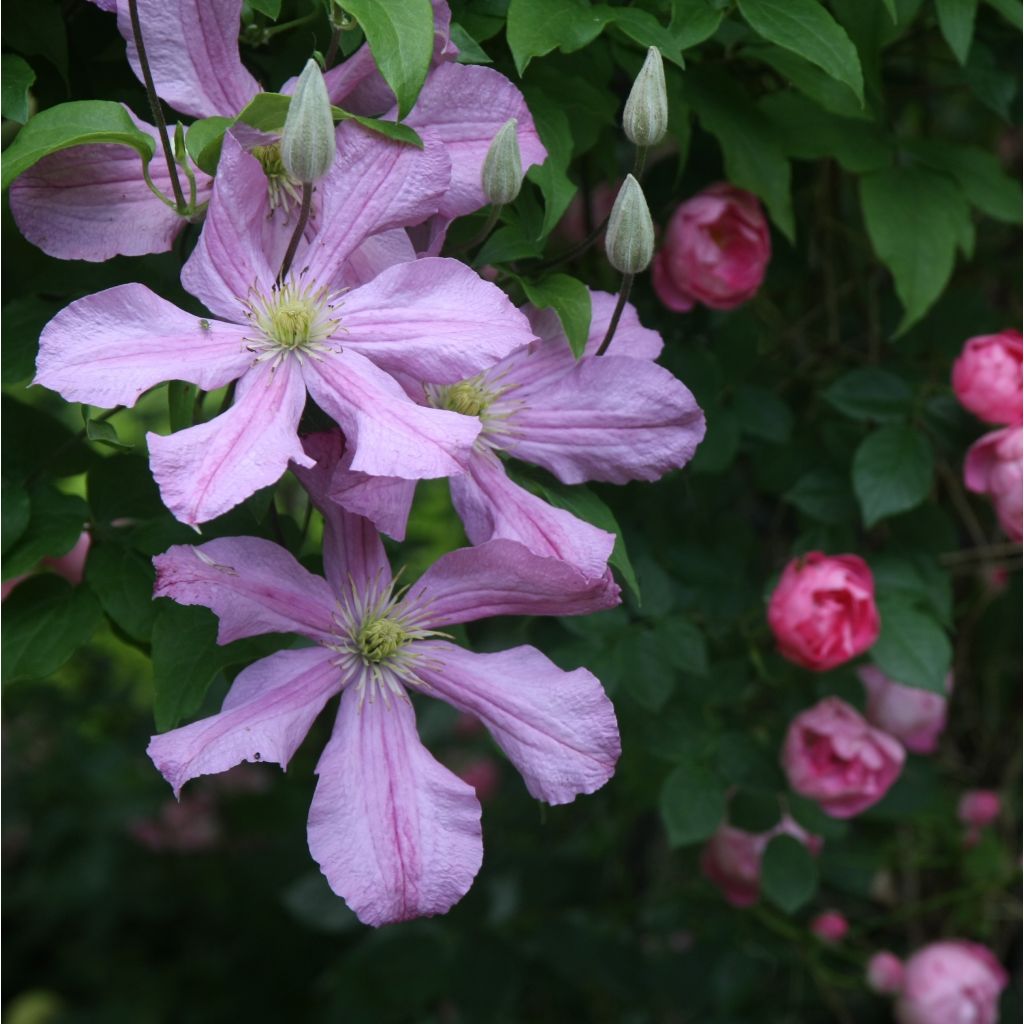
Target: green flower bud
{"type": "Point", "coordinates": [629, 241]}
{"type": "Point", "coordinates": [307, 142]}
{"type": "Point", "coordinates": [502, 176]}
{"type": "Point", "coordinates": [645, 119]}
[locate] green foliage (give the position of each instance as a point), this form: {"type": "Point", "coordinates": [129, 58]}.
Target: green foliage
{"type": "Point", "coordinates": [692, 803]}
{"type": "Point", "coordinates": [16, 78]}
{"type": "Point", "coordinates": [912, 648]}
{"type": "Point", "coordinates": [570, 299]}
{"type": "Point", "coordinates": [789, 875]}
{"type": "Point", "coordinates": [892, 472]}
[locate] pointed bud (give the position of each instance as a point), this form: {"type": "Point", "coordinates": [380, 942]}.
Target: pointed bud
{"type": "Point", "coordinates": [307, 142]}
{"type": "Point", "coordinates": [502, 176]}
{"type": "Point", "coordinates": [645, 119]}
{"type": "Point", "coordinates": [629, 241]}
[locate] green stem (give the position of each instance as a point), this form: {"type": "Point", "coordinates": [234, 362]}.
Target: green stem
{"type": "Point", "coordinates": [627, 284]}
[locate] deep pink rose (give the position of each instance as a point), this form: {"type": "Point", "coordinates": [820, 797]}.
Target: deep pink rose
{"type": "Point", "coordinates": [832, 755]}
{"type": "Point", "coordinates": [830, 926]}
{"type": "Point", "coordinates": [993, 467]}
{"type": "Point", "coordinates": [914, 716]}
{"type": "Point", "coordinates": [884, 973]}
{"type": "Point", "coordinates": [823, 610]}
{"type": "Point", "coordinates": [951, 981]}
{"type": "Point", "coordinates": [987, 377]}
{"type": "Point", "coordinates": [979, 807]}
{"type": "Point", "coordinates": [717, 246]}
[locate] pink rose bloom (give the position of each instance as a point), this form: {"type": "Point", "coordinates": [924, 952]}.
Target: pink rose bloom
{"type": "Point", "coordinates": [885, 973]}
{"type": "Point", "coordinates": [717, 246]}
{"type": "Point", "coordinates": [915, 717]}
{"type": "Point", "coordinates": [987, 377]}
{"type": "Point", "coordinates": [993, 467]}
{"type": "Point", "coordinates": [953, 982]}
{"type": "Point", "coordinates": [979, 807]}
{"type": "Point", "coordinates": [832, 755]}
{"type": "Point", "coordinates": [822, 611]}
{"type": "Point", "coordinates": [830, 926]}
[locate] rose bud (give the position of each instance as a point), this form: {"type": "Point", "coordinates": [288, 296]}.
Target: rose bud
{"type": "Point", "coordinates": [307, 140]}
{"type": "Point", "coordinates": [502, 174]}
{"type": "Point", "coordinates": [987, 377]}
{"type": "Point", "coordinates": [830, 926]}
{"type": "Point", "coordinates": [993, 467]}
{"type": "Point", "coordinates": [645, 118]}
{"type": "Point", "coordinates": [978, 808]}
{"type": "Point", "coordinates": [483, 774]}
{"type": "Point", "coordinates": [629, 240]}
{"type": "Point", "coordinates": [716, 249]}
{"type": "Point", "coordinates": [914, 716]}
{"type": "Point", "coordinates": [832, 755]}
{"type": "Point", "coordinates": [950, 982]}
{"type": "Point", "coordinates": [884, 973]}
{"type": "Point", "coordinates": [822, 611]}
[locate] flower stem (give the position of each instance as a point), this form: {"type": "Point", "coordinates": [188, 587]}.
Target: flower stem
{"type": "Point", "coordinates": [639, 162]}
{"type": "Point", "coordinates": [627, 284]}
{"type": "Point", "coordinates": [300, 227]}
{"type": "Point", "coordinates": [332, 48]}
{"type": "Point", "coordinates": [154, 105]}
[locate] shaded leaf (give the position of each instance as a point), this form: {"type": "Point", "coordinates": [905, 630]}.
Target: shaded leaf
{"type": "Point", "coordinates": [789, 874]}
{"type": "Point", "coordinates": [892, 472]}
{"type": "Point", "coordinates": [16, 78]}
{"type": "Point", "coordinates": [570, 299]}
{"type": "Point", "coordinates": [692, 804]}
{"type": "Point", "coordinates": [913, 648]}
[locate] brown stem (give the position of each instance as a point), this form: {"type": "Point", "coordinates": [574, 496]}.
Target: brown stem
{"type": "Point", "coordinates": [627, 284]}
{"type": "Point", "coordinates": [300, 227]}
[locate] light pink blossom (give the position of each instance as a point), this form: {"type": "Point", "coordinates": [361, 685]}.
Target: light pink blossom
{"type": "Point", "coordinates": [951, 981]}
{"type": "Point", "coordinates": [987, 377]}
{"type": "Point", "coordinates": [396, 834]}
{"type": "Point", "coordinates": [884, 973]}
{"type": "Point", "coordinates": [914, 716]}
{"type": "Point", "coordinates": [830, 926]}
{"type": "Point", "coordinates": [993, 467]}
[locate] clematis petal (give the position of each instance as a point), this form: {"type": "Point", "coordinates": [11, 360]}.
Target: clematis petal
{"type": "Point", "coordinates": [192, 47]}
{"type": "Point", "coordinates": [492, 506]}
{"type": "Point", "coordinates": [608, 418]}
{"type": "Point", "coordinates": [389, 434]}
{"type": "Point", "coordinates": [207, 469]}
{"type": "Point", "coordinates": [265, 717]}
{"type": "Point", "coordinates": [106, 349]}
{"type": "Point", "coordinates": [252, 585]}
{"type": "Point", "coordinates": [502, 577]}
{"type": "Point", "coordinates": [353, 552]}
{"type": "Point", "coordinates": [434, 319]}
{"type": "Point", "coordinates": [396, 834]}
{"type": "Point", "coordinates": [558, 728]}
{"type": "Point", "coordinates": [385, 500]}
{"type": "Point", "coordinates": [375, 255]}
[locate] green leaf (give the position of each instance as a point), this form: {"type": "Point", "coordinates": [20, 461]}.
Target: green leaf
{"type": "Point", "coordinates": [470, 51]}
{"type": "Point", "coordinates": [271, 8]}
{"type": "Point", "coordinates": [181, 404]}
{"type": "Point", "coordinates": [203, 141]}
{"type": "Point", "coordinates": [692, 804]}
{"type": "Point", "coordinates": [122, 487]}
{"type": "Point", "coordinates": [33, 438]}
{"type": "Point", "coordinates": [55, 525]}
{"type": "Point", "coordinates": [15, 511]}
{"type": "Point", "coordinates": [870, 394]}
{"type": "Point", "coordinates": [892, 472]}
{"type": "Point", "coordinates": [45, 621]}
{"type": "Point", "coordinates": [507, 243]}
{"type": "Point", "coordinates": [693, 21]}
{"type": "Point", "coordinates": [16, 78]}
{"type": "Point", "coordinates": [570, 299]}
{"type": "Point", "coordinates": [73, 124]}
{"type": "Point", "coordinates": [914, 219]}
{"type": "Point", "coordinates": [123, 580]}
{"type": "Point", "coordinates": [913, 648]}
{"type": "Point", "coordinates": [956, 22]}
{"type": "Point", "coordinates": [684, 645]}
{"type": "Point", "coordinates": [401, 38]}
{"type": "Point", "coordinates": [646, 674]}
{"type": "Point", "coordinates": [807, 29]}
{"type": "Point", "coordinates": [23, 322]}
{"type": "Point", "coordinates": [810, 816]}
{"type": "Point", "coordinates": [989, 81]}
{"type": "Point", "coordinates": [644, 28]}
{"type": "Point", "coordinates": [1010, 10]}
{"type": "Point", "coordinates": [103, 432]}
{"type": "Point", "coordinates": [754, 811]}
{"type": "Point", "coordinates": [551, 177]}
{"type": "Point", "coordinates": [789, 874]}
{"type": "Point", "coordinates": [389, 129]}
{"type": "Point", "coordinates": [979, 173]}
{"type": "Point", "coordinates": [825, 496]}
{"type": "Point", "coordinates": [819, 87]}
{"type": "Point", "coordinates": [536, 27]}
{"type": "Point", "coordinates": [916, 576]}
{"type": "Point", "coordinates": [763, 414]}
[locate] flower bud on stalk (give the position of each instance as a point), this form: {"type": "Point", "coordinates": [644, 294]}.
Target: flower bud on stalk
{"type": "Point", "coordinates": [307, 142]}
{"type": "Point", "coordinates": [629, 241]}
{"type": "Point", "coordinates": [645, 118]}
{"type": "Point", "coordinates": [502, 175]}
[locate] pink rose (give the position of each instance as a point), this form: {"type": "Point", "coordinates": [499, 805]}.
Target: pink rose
{"type": "Point", "coordinates": [993, 467]}
{"type": "Point", "coordinates": [832, 755]}
{"type": "Point", "coordinates": [822, 611]}
{"type": "Point", "coordinates": [987, 377]}
{"type": "Point", "coordinates": [978, 808]}
{"type": "Point", "coordinates": [717, 246]}
{"type": "Point", "coordinates": [885, 973]}
{"type": "Point", "coordinates": [951, 981]}
{"type": "Point", "coordinates": [830, 926]}
{"type": "Point", "coordinates": [915, 717]}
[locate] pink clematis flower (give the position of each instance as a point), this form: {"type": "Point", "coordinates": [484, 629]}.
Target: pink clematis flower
{"type": "Point", "coordinates": [993, 467]}
{"type": "Point", "coordinates": [396, 834]}
{"type": "Point", "coordinates": [615, 418]}
{"type": "Point", "coordinates": [431, 317]}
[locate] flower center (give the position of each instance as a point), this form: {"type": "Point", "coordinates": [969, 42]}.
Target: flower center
{"type": "Point", "coordinates": [282, 191]}
{"type": "Point", "coordinates": [291, 318]}
{"type": "Point", "coordinates": [379, 639]}
{"type": "Point", "coordinates": [468, 397]}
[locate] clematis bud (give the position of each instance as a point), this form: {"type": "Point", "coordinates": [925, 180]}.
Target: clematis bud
{"type": "Point", "coordinates": [645, 118]}
{"type": "Point", "coordinates": [502, 174]}
{"type": "Point", "coordinates": [629, 241]}
{"type": "Point", "coordinates": [307, 142]}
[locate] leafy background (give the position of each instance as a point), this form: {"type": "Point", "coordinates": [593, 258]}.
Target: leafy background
{"type": "Point", "coordinates": [883, 138]}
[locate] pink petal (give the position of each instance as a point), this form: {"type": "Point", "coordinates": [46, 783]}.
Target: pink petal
{"type": "Point", "coordinates": [492, 506]}
{"type": "Point", "coordinates": [357, 85]}
{"type": "Point", "coordinates": [558, 728]}
{"type": "Point", "coordinates": [385, 500]}
{"type": "Point", "coordinates": [434, 319]}
{"type": "Point", "coordinates": [265, 717]}
{"type": "Point", "coordinates": [207, 469]}
{"type": "Point", "coordinates": [396, 834]}
{"type": "Point", "coordinates": [390, 435]}
{"type": "Point", "coordinates": [377, 254]}
{"type": "Point", "coordinates": [502, 577]}
{"type": "Point", "coordinates": [192, 47]}
{"type": "Point", "coordinates": [106, 349]}
{"type": "Point", "coordinates": [253, 586]}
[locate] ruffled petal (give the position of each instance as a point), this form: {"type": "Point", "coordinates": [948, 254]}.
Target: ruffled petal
{"type": "Point", "coordinates": [385, 500]}
{"type": "Point", "coordinates": [396, 834]}
{"type": "Point", "coordinates": [252, 585]}
{"type": "Point", "coordinates": [207, 469]}
{"type": "Point", "coordinates": [265, 717]}
{"type": "Point", "coordinates": [558, 728]}
{"type": "Point", "coordinates": [434, 319]}
{"type": "Point", "coordinates": [389, 434]}
{"type": "Point", "coordinates": [492, 506]}
{"type": "Point", "coordinates": [377, 254]}
{"type": "Point", "coordinates": [106, 349]}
